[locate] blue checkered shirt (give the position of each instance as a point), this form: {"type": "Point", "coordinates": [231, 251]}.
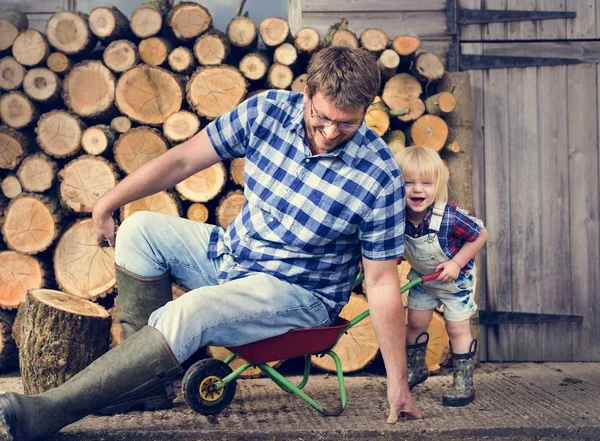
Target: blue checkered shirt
{"type": "Point", "coordinates": [307, 218]}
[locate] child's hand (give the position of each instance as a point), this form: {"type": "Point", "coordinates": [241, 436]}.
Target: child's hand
{"type": "Point", "coordinates": [449, 269]}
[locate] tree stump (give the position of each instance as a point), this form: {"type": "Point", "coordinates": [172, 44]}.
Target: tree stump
{"type": "Point", "coordinates": [62, 334]}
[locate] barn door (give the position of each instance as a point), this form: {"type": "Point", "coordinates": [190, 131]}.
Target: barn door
{"type": "Point", "coordinates": [536, 178]}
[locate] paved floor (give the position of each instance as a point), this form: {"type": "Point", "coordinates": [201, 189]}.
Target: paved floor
{"type": "Point", "coordinates": [518, 402]}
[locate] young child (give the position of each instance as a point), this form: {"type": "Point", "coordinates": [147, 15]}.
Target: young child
{"type": "Point", "coordinates": [439, 237]}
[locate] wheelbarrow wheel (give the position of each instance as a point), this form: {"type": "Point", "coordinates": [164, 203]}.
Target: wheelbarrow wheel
{"type": "Point", "coordinates": [198, 388]}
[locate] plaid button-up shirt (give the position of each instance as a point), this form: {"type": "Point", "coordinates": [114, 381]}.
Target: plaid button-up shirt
{"type": "Point", "coordinates": [307, 218]}
{"type": "Point", "coordinates": [457, 228]}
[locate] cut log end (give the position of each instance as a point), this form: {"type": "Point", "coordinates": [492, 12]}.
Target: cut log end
{"type": "Point", "coordinates": [197, 212]}
{"type": "Point", "coordinates": [229, 207]}
{"type": "Point", "coordinates": [84, 180]}
{"type": "Point", "coordinates": [161, 202]}
{"type": "Point", "coordinates": [81, 267]}
{"type": "Point", "coordinates": [181, 126]}
{"type": "Point", "coordinates": [18, 274]}
{"type": "Point", "coordinates": [138, 146]}
{"type": "Point", "coordinates": [429, 131]}
{"type": "Point", "coordinates": [204, 185]}
{"type": "Point", "coordinates": [208, 83]}
{"type": "Point", "coordinates": [30, 225]}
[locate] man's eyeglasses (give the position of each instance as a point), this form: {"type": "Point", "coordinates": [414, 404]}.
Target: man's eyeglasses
{"type": "Point", "coordinates": [343, 127]}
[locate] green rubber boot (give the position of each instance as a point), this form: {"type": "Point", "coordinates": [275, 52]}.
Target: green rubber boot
{"type": "Point", "coordinates": [142, 362]}
{"type": "Point", "coordinates": [463, 390]}
{"type": "Point", "coordinates": [418, 371]}
{"type": "Point", "coordinates": [138, 298]}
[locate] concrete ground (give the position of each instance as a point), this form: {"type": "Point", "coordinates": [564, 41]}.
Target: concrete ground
{"type": "Point", "coordinates": [517, 402]}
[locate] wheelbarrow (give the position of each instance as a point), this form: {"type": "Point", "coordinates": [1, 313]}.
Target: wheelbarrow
{"type": "Point", "coordinates": [209, 385]}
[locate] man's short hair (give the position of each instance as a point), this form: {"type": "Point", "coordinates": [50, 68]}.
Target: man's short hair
{"type": "Point", "coordinates": [345, 76]}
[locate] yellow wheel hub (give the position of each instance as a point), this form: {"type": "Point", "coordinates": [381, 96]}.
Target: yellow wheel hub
{"type": "Point", "coordinates": [208, 391]}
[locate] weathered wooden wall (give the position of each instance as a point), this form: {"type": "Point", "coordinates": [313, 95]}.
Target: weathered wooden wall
{"type": "Point", "coordinates": [537, 179]}
{"type": "Point", "coordinates": [535, 162]}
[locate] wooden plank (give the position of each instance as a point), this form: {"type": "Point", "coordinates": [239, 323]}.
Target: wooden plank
{"type": "Point", "coordinates": [294, 15]}
{"type": "Point", "coordinates": [584, 25]}
{"type": "Point", "coordinates": [426, 25]}
{"type": "Point", "coordinates": [470, 32]}
{"type": "Point", "coordinates": [36, 6]}
{"type": "Point", "coordinates": [524, 207]}
{"type": "Point", "coordinates": [497, 207]}
{"type": "Point", "coordinates": [521, 30]}
{"type": "Point", "coordinates": [377, 5]}
{"type": "Point", "coordinates": [584, 51]}
{"type": "Point", "coordinates": [551, 29]}
{"type": "Point", "coordinates": [495, 31]}
{"type": "Point", "coordinates": [584, 193]}
{"type": "Point", "coordinates": [556, 297]}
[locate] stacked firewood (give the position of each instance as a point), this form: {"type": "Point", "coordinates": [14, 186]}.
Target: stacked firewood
{"type": "Point", "coordinates": [96, 96]}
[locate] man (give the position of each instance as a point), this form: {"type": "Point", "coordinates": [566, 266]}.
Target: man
{"type": "Point", "coordinates": [323, 194]}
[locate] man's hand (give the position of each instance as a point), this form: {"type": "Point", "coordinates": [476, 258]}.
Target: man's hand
{"type": "Point", "coordinates": [104, 228]}
{"type": "Point", "coordinates": [450, 270]}
{"type": "Point", "coordinates": [401, 403]}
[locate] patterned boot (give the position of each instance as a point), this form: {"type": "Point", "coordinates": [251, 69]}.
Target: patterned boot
{"type": "Point", "coordinates": [418, 371]}
{"type": "Point", "coordinates": [463, 391]}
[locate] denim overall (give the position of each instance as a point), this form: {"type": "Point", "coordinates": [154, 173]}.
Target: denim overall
{"type": "Point", "coordinates": [424, 254]}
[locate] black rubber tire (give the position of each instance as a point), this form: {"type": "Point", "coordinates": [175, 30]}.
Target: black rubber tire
{"type": "Point", "coordinates": [195, 375]}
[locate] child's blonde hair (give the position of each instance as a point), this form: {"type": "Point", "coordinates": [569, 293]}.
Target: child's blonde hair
{"type": "Point", "coordinates": [428, 162]}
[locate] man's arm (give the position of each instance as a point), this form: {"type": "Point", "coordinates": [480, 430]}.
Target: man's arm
{"type": "Point", "coordinates": [161, 173]}
{"type": "Point", "coordinates": [387, 316]}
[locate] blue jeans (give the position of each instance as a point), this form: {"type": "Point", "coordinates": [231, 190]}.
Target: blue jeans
{"type": "Point", "coordinates": [213, 312]}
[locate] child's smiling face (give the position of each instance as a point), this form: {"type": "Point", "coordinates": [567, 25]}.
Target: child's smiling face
{"type": "Point", "coordinates": [420, 193]}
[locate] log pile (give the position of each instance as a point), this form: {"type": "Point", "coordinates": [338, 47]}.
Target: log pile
{"type": "Point", "coordinates": [96, 96]}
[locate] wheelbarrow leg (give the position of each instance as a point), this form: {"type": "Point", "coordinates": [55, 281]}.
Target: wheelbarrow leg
{"type": "Point", "coordinates": [286, 385]}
